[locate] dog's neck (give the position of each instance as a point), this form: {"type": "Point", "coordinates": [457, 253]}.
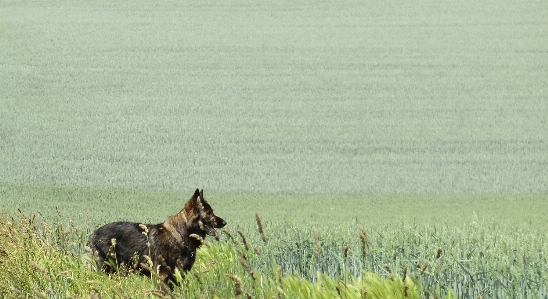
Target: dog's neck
{"type": "Point", "coordinates": [181, 232]}
{"type": "Point", "coordinates": [174, 230]}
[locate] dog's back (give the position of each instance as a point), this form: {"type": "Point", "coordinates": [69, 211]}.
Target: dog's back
{"type": "Point", "coordinates": [118, 244]}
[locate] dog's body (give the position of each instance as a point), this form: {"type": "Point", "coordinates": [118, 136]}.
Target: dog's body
{"type": "Point", "coordinates": [169, 245]}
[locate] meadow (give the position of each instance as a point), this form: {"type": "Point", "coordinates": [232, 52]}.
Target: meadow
{"type": "Point", "coordinates": [386, 145]}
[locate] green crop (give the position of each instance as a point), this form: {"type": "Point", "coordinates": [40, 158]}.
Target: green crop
{"type": "Point", "coordinates": [276, 97]}
{"type": "Point", "coordinates": [374, 140]}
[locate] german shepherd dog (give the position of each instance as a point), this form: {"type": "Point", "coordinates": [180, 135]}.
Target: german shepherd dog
{"type": "Point", "coordinates": [162, 247]}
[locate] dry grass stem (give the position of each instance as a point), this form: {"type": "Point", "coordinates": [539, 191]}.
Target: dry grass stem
{"type": "Point", "coordinates": [200, 239]}
{"type": "Point", "coordinates": [260, 225]}
{"type": "Point", "coordinates": [364, 241]}
{"type": "Point", "coordinates": [339, 291]}
{"type": "Point", "coordinates": [318, 246]}
{"type": "Point", "coordinates": [279, 274]}
{"type": "Point", "coordinates": [198, 278]}
{"type": "Point", "coordinates": [364, 292]}
{"type": "Point", "coordinates": [44, 273]}
{"type": "Point", "coordinates": [229, 235]}
{"type": "Point", "coordinates": [244, 240]}
{"type": "Point", "coordinates": [438, 253]}
{"type": "Point", "coordinates": [247, 268]}
{"type": "Point", "coordinates": [237, 284]}
{"type": "Point", "coordinates": [423, 268]}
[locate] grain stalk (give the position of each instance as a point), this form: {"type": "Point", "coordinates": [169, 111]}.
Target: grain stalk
{"type": "Point", "coordinates": [438, 253]}
{"type": "Point", "coordinates": [279, 275]}
{"type": "Point", "coordinates": [237, 284]}
{"type": "Point", "coordinates": [260, 225]}
{"type": "Point", "coordinates": [244, 240]}
{"type": "Point", "coordinates": [405, 287]}
{"type": "Point", "coordinates": [318, 247]}
{"type": "Point", "coordinates": [229, 235]}
{"type": "Point", "coordinates": [247, 268]}
{"type": "Point", "coordinates": [364, 242]}
{"type": "Point", "coordinates": [345, 272]}
{"type": "Point", "coordinates": [338, 291]}
{"type": "Point", "coordinates": [200, 239]}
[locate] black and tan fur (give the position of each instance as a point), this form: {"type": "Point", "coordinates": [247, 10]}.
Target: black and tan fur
{"type": "Point", "coordinates": [171, 244]}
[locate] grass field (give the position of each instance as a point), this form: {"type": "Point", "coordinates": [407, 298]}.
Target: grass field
{"type": "Point", "coordinates": [306, 97]}
{"type": "Point", "coordinates": [321, 211]}
{"type": "Point", "coordinates": [421, 122]}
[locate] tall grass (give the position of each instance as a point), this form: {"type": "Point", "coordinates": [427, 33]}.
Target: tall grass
{"type": "Point", "coordinates": [471, 261]}
{"type": "Point", "coordinates": [499, 253]}
{"type": "Point", "coordinates": [37, 261]}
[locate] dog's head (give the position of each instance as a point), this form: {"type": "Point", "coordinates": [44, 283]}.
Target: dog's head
{"type": "Point", "coordinates": [203, 215]}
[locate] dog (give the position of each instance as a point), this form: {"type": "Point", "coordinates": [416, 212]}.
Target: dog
{"type": "Point", "coordinates": [161, 248]}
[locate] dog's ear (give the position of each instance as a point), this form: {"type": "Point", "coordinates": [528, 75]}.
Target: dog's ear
{"type": "Point", "coordinates": [200, 201]}
{"type": "Point", "coordinates": [193, 202]}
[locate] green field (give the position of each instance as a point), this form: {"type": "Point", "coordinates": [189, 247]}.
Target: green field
{"type": "Point", "coordinates": [89, 207]}
{"type": "Point", "coordinates": [292, 97]}
{"type": "Point", "coordinates": [421, 122]}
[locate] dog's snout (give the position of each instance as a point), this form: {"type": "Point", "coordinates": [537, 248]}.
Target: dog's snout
{"type": "Point", "coordinates": [220, 222]}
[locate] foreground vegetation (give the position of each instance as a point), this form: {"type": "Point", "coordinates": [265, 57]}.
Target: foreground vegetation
{"type": "Point", "coordinates": [293, 256]}
{"type": "Point", "coordinates": [38, 260]}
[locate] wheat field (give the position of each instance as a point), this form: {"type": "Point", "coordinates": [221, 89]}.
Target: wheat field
{"type": "Point", "coordinates": [276, 97]}
{"type": "Point", "coordinates": [386, 145]}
